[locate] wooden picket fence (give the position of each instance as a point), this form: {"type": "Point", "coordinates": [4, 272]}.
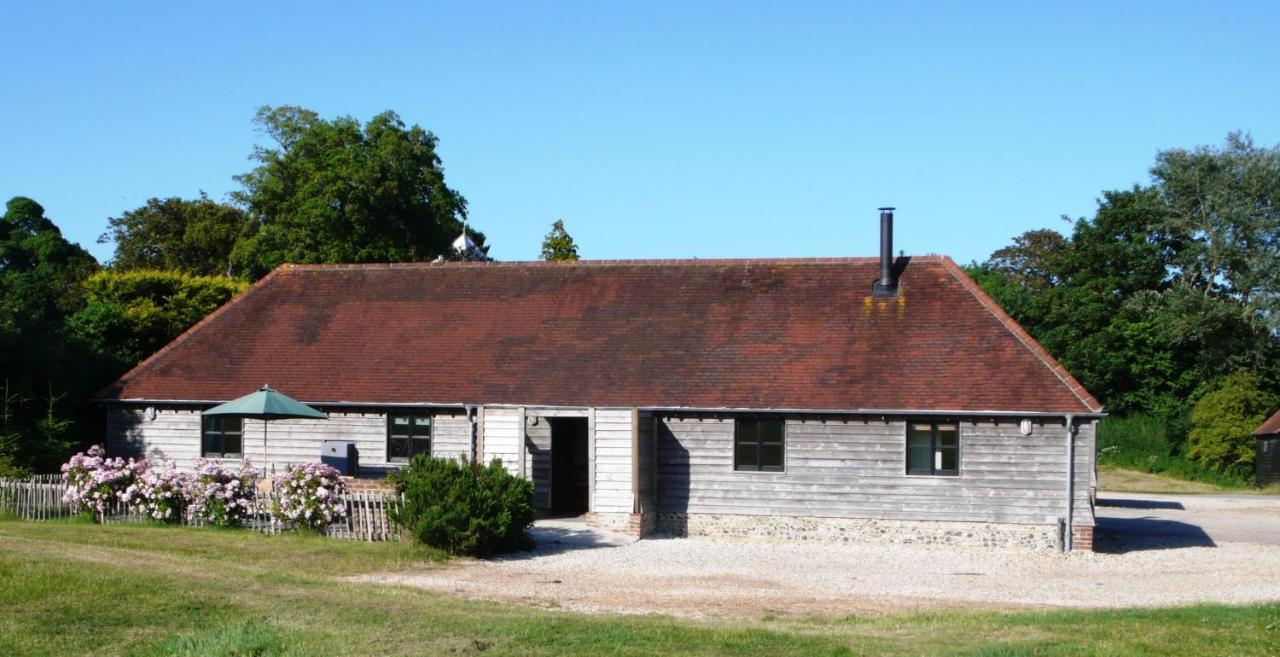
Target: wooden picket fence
{"type": "Point", "coordinates": [40, 498]}
{"type": "Point", "coordinates": [35, 498]}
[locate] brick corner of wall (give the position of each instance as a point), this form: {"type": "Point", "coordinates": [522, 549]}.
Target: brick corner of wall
{"type": "Point", "coordinates": [1082, 539]}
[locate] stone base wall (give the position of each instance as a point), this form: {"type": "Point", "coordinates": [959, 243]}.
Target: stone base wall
{"type": "Point", "coordinates": [870, 531]}
{"type": "Point", "coordinates": [632, 524]}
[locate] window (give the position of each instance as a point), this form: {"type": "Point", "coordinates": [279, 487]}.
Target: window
{"type": "Point", "coordinates": [758, 444]}
{"type": "Point", "coordinates": [221, 436]}
{"type": "Point", "coordinates": [933, 448]}
{"type": "Point", "coordinates": [408, 435]}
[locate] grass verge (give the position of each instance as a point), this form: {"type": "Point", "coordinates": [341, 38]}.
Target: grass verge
{"type": "Point", "coordinates": [1127, 480]}
{"type": "Point", "coordinates": [124, 590]}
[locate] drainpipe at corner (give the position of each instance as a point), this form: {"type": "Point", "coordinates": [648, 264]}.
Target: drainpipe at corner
{"type": "Point", "coordinates": [472, 421]}
{"type": "Point", "coordinates": [1068, 530]}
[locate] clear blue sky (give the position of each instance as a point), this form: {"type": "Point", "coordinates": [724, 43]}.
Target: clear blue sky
{"type": "Point", "coordinates": [653, 129]}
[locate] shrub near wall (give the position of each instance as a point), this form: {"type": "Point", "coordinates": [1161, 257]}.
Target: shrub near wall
{"type": "Point", "coordinates": [464, 508]}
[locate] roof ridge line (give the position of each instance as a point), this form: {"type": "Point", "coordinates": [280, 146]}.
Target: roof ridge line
{"type": "Point", "coordinates": [182, 337]}
{"type": "Point", "coordinates": [599, 263]}
{"type": "Point", "coordinates": [1032, 345]}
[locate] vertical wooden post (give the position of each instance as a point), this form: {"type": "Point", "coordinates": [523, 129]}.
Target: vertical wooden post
{"type": "Point", "coordinates": [635, 461]}
{"type": "Point", "coordinates": [591, 459]}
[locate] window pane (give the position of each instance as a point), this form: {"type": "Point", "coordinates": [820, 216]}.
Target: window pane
{"type": "Point", "coordinates": [212, 424]}
{"type": "Point", "coordinates": [747, 431]}
{"type": "Point", "coordinates": [419, 446]}
{"type": "Point", "coordinates": [771, 431]}
{"type": "Point", "coordinates": [399, 425]}
{"type": "Point", "coordinates": [212, 444]}
{"type": "Point", "coordinates": [746, 456]}
{"type": "Point", "coordinates": [919, 459]}
{"type": "Point", "coordinates": [232, 425]}
{"type": "Point", "coordinates": [422, 420]}
{"type": "Point", "coordinates": [920, 436]}
{"type": "Point", "coordinates": [771, 455]}
{"type": "Point", "coordinates": [398, 448]}
{"type": "Point", "coordinates": [950, 459]}
{"type": "Point", "coordinates": [948, 436]}
{"type": "Point", "coordinates": [231, 444]}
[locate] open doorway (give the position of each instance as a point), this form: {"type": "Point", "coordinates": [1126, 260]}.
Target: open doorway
{"type": "Point", "coordinates": [569, 480]}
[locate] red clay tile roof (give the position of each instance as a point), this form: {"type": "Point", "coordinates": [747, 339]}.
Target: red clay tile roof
{"type": "Point", "coordinates": [759, 334]}
{"type": "Point", "coordinates": [1270, 427]}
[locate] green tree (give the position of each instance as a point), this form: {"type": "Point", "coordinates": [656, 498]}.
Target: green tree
{"type": "Point", "coordinates": [128, 315]}
{"type": "Point", "coordinates": [192, 236]}
{"type": "Point", "coordinates": [1224, 207]}
{"type": "Point", "coordinates": [1167, 289]}
{"type": "Point", "coordinates": [558, 246]}
{"type": "Point", "coordinates": [339, 191]}
{"type": "Point", "coordinates": [1222, 421]}
{"type": "Point", "coordinates": [40, 275]}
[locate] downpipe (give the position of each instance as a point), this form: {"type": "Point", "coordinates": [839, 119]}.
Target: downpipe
{"type": "Point", "coordinates": [1068, 525]}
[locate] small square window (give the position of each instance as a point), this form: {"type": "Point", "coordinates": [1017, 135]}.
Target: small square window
{"type": "Point", "coordinates": [221, 436]}
{"type": "Point", "coordinates": [759, 444]}
{"type": "Point", "coordinates": [408, 434]}
{"type": "Point", "coordinates": [933, 448]}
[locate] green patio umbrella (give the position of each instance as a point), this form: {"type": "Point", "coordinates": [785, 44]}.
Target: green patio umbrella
{"type": "Point", "coordinates": [266, 404]}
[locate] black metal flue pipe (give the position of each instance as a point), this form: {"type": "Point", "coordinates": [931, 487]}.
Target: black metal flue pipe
{"type": "Point", "coordinates": [887, 283]}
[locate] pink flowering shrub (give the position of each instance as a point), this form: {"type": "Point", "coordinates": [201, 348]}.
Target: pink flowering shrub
{"type": "Point", "coordinates": [310, 496]}
{"type": "Point", "coordinates": [222, 497]}
{"type": "Point", "coordinates": [95, 483]}
{"type": "Point", "coordinates": [160, 494]}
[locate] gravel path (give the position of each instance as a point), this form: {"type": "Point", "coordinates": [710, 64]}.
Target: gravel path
{"type": "Point", "coordinates": [704, 578]}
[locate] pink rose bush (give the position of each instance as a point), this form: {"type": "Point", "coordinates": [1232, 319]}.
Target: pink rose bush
{"type": "Point", "coordinates": [96, 483]}
{"type": "Point", "coordinates": [160, 494]}
{"type": "Point", "coordinates": [212, 493]}
{"type": "Point", "coordinates": [310, 496]}
{"type": "Point", "coordinates": [221, 497]}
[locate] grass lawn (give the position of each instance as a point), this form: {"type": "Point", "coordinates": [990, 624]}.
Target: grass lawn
{"type": "Point", "coordinates": [1126, 480]}
{"type": "Point", "coordinates": [69, 588]}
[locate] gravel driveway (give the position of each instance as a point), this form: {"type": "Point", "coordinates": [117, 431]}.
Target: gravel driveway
{"type": "Point", "coordinates": [579, 569]}
{"type": "Point", "coordinates": [1189, 520]}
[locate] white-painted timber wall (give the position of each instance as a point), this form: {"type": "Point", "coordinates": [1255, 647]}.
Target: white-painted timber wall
{"type": "Point", "coordinates": [840, 467]}
{"type": "Point", "coordinates": [174, 435]}
{"type": "Point", "coordinates": [503, 436]}
{"type": "Point", "coordinates": [611, 433]}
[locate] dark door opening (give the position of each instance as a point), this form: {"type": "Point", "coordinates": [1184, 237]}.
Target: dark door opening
{"type": "Point", "coordinates": [569, 485]}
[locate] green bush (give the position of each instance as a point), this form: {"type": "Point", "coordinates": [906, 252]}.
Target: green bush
{"type": "Point", "coordinates": [1221, 423]}
{"type": "Point", "coordinates": [464, 508]}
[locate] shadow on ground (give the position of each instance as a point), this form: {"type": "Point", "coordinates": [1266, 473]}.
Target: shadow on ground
{"type": "Point", "coordinates": [552, 537]}
{"type": "Point", "coordinates": [1139, 504]}
{"type": "Point", "coordinates": [1121, 535]}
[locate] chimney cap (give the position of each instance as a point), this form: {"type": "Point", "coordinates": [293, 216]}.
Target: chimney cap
{"type": "Point", "coordinates": [887, 209]}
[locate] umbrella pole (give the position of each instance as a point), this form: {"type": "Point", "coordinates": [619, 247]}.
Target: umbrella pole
{"type": "Point", "coordinates": [264, 442]}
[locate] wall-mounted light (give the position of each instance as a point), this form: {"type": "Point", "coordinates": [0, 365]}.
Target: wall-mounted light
{"type": "Point", "coordinates": [531, 420]}
{"type": "Point", "coordinates": [151, 413]}
{"type": "Point", "coordinates": [1025, 427]}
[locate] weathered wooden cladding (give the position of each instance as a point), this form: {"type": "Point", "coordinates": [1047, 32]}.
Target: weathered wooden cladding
{"type": "Point", "coordinates": [613, 473]}
{"type": "Point", "coordinates": [854, 467]}
{"type": "Point", "coordinates": [174, 435]}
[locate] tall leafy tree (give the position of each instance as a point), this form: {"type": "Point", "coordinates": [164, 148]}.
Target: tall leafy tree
{"type": "Point", "coordinates": [1224, 206]}
{"type": "Point", "coordinates": [1161, 293]}
{"type": "Point", "coordinates": [44, 376]}
{"type": "Point", "coordinates": [558, 246]}
{"type": "Point", "coordinates": [193, 236]}
{"type": "Point", "coordinates": [337, 190]}
{"type": "Point", "coordinates": [128, 315]}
